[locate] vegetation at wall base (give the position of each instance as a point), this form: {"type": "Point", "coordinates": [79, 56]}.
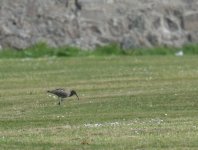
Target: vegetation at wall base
{"type": "Point", "coordinates": [43, 50]}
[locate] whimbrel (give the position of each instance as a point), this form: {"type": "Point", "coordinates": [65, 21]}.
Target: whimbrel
{"type": "Point", "coordinates": [61, 93]}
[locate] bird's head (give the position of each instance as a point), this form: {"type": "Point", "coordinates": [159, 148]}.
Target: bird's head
{"type": "Point", "coordinates": [74, 93]}
{"type": "Point", "coordinates": [48, 91]}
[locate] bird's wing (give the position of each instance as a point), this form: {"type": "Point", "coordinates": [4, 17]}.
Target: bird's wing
{"type": "Point", "coordinates": [61, 93]}
{"type": "Point", "coordinates": [60, 89]}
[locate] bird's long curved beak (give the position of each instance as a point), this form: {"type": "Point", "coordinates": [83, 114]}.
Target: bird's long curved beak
{"type": "Point", "coordinates": [77, 96]}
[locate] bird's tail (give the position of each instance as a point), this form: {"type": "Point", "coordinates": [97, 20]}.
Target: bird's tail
{"type": "Point", "coordinates": [49, 91]}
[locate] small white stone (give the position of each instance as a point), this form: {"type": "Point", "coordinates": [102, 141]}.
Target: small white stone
{"type": "Point", "coordinates": [179, 53]}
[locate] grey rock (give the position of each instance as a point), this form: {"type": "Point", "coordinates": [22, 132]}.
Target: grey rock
{"type": "Point", "coordinates": [172, 26]}
{"type": "Point", "coordinates": [129, 42]}
{"type": "Point", "coordinates": [156, 23]}
{"type": "Point", "coordinates": [153, 39]}
{"type": "Point", "coordinates": [136, 23]}
{"type": "Point", "coordinates": [191, 21]}
{"type": "Point", "coordinates": [15, 42]}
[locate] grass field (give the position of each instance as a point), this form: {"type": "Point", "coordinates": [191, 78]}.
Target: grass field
{"type": "Point", "coordinates": [138, 102]}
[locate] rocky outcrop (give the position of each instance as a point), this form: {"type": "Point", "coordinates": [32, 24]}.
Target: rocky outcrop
{"type": "Point", "coordinates": [89, 23]}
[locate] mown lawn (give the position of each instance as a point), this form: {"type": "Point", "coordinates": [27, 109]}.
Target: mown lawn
{"type": "Point", "coordinates": [137, 102]}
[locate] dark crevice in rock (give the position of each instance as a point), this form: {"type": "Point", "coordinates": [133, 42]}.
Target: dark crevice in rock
{"type": "Point", "coordinates": [157, 23]}
{"type": "Point", "coordinates": [171, 24]}
{"type": "Point", "coordinates": [189, 37]}
{"type": "Point", "coordinates": [78, 5]}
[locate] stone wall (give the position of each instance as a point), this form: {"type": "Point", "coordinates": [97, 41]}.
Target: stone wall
{"type": "Point", "coordinates": [89, 23]}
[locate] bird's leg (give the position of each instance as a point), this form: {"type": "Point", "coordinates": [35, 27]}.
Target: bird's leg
{"type": "Point", "coordinates": [59, 101]}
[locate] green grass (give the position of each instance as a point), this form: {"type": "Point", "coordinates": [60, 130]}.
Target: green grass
{"type": "Point", "coordinates": [43, 50]}
{"type": "Point", "coordinates": [126, 102]}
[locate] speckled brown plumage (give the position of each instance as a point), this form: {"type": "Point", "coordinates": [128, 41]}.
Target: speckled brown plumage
{"type": "Point", "coordinates": [61, 94]}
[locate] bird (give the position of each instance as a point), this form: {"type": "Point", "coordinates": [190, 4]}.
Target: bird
{"type": "Point", "coordinates": [61, 94]}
